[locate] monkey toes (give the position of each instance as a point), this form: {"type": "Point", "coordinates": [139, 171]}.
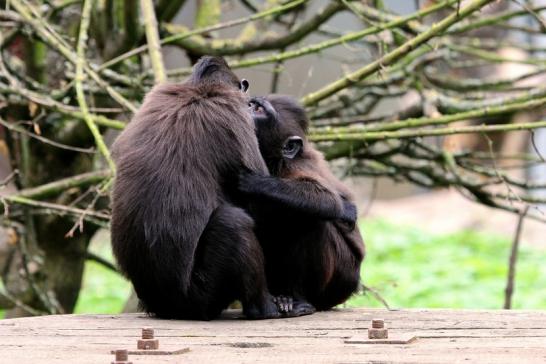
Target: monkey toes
{"type": "Point", "coordinates": [288, 307]}
{"type": "Point", "coordinates": [284, 304]}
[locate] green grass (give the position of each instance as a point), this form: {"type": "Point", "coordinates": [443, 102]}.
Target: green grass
{"type": "Point", "coordinates": [412, 268]}
{"type": "Point", "coordinates": [103, 291]}
{"type": "Point", "coordinates": [408, 266]}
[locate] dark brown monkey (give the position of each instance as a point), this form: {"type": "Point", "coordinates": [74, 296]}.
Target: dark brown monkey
{"type": "Point", "coordinates": [176, 233]}
{"type": "Point", "coordinates": [305, 216]}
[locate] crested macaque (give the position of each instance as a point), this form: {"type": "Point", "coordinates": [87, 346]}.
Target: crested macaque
{"type": "Point", "coordinates": [177, 232]}
{"type": "Point", "coordinates": [305, 217]}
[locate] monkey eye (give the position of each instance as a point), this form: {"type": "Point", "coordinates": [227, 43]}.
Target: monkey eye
{"type": "Point", "coordinates": [292, 147]}
{"type": "Point", "coordinates": [244, 85]}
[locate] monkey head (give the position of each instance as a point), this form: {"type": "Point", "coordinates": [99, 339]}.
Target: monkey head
{"type": "Point", "coordinates": [281, 125]}
{"type": "Point", "coordinates": [212, 70]}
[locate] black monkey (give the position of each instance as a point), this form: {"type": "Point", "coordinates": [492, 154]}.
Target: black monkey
{"type": "Point", "coordinates": [176, 233]}
{"type": "Point", "coordinates": [305, 216]}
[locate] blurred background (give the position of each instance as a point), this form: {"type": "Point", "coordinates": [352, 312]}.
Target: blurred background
{"type": "Point", "coordinates": [431, 111]}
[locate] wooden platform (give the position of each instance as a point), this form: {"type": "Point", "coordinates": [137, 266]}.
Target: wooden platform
{"type": "Point", "coordinates": [443, 336]}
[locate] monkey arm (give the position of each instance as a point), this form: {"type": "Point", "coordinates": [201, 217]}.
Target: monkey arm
{"type": "Point", "coordinates": [350, 213]}
{"type": "Point", "coordinates": [352, 238]}
{"type": "Point", "coordinates": [303, 194]}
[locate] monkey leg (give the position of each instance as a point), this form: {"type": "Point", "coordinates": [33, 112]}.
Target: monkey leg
{"type": "Point", "coordinates": [320, 270]}
{"type": "Point", "coordinates": [286, 270]}
{"type": "Point", "coordinates": [341, 275]}
{"type": "Point", "coordinates": [286, 276]}
{"type": "Point", "coordinates": [338, 290]}
{"type": "Point", "coordinates": [229, 265]}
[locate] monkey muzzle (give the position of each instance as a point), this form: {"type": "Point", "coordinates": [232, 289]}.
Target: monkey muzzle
{"type": "Point", "coordinates": [261, 109]}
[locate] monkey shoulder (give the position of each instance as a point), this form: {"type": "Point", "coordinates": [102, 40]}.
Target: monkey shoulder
{"type": "Point", "coordinates": [322, 168]}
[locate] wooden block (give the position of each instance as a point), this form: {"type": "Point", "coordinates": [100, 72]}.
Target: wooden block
{"type": "Point", "coordinates": [157, 352]}
{"type": "Point", "coordinates": [397, 339]}
{"type": "Point", "coordinates": [148, 344]}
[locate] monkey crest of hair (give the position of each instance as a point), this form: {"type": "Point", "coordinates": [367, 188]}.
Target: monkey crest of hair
{"type": "Point", "coordinates": [188, 250]}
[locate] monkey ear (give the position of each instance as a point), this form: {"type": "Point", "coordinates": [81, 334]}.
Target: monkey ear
{"type": "Point", "coordinates": [244, 85]}
{"type": "Point", "coordinates": [292, 146]}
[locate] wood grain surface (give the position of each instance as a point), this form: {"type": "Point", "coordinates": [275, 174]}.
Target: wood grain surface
{"type": "Point", "coordinates": [443, 336]}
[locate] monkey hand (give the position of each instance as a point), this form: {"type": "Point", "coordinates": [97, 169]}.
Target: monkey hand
{"type": "Point", "coordinates": [349, 214]}
{"type": "Point", "coordinates": [249, 181]}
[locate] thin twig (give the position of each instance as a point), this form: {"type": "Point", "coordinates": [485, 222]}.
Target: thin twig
{"type": "Point", "coordinates": [100, 260]}
{"type": "Point", "coordinates": [80, 64]}
{"type": "Point", "coordinates": [377, 296]}
{"type": "Point", "coordinates": [319, 47]}
{"type": "Point", "coordinates": [53, 206]}
{"type": "Point", "coordinates": [535, 147]}
{"type": "Point", "coordinates": [56, 187]}
{"type": "Point", "coordinates": [52, 38]}
{"type": "Point", "coordinates": [152, 36]}
{"type": "Point", "coordinates": [45, 140]}
{"type": "Point", "coordinates": [508, 106]}
{"type": "Point", "coordinates": [393, 55]}
{"type": "Point", "coordinates": [18, 303]}
{"type": "Point", "coordinates": [178, 37]}
{"type": "Point", "coordinates": [361, 136]}
{"type": "Point", "coordinates": [509, 290]}
{"type": "Point", "coordinates": [78, 225]}
{"type": "Point", "coordinates": [54, 105]}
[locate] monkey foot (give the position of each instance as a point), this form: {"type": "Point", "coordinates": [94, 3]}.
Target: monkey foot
{"type": "Point", "coordinates": [288, 307]}
{"type": "Point", "coordinates": [302, 308]}
{"type": "Point", "coordinates": [284, 304]}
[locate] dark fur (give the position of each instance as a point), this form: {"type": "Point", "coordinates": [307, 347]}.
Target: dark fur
{"type": "Point", "coordinates": [306, 218]}
{"type": "Point", "coordinates": [176, 232]}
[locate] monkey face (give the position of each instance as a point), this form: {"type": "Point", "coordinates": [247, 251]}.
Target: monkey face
{"type": "Point", "coordinates": [267, 131]}
{"type": "Point", "coordinates": [280, 136]}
